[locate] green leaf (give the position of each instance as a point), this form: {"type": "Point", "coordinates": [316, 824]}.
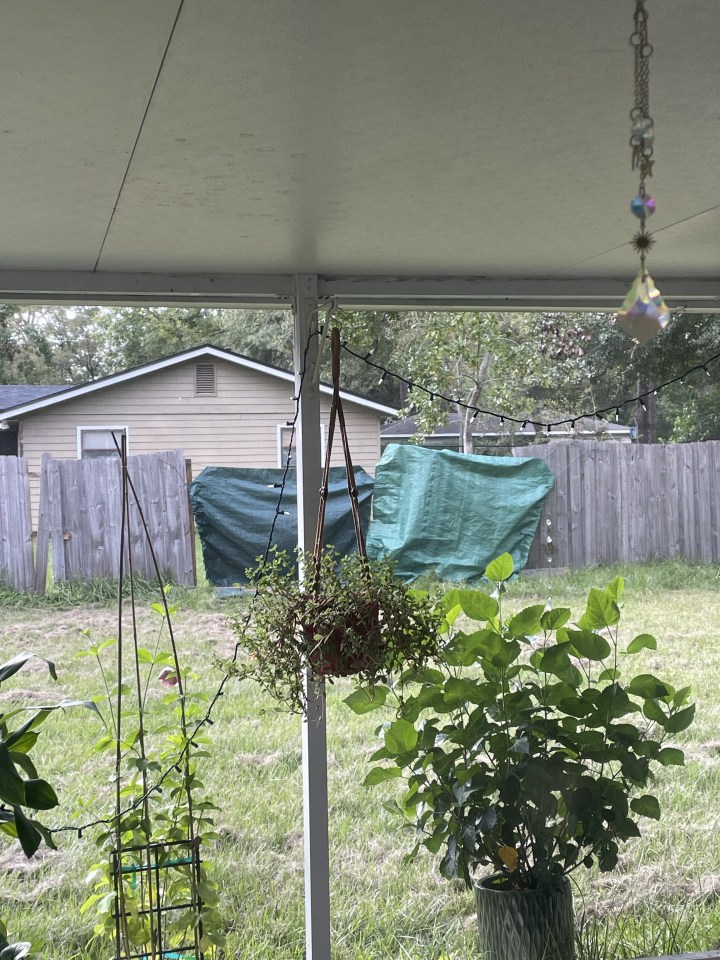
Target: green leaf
{"type": "Point", "coordinates": [477, 605]}
{"type": "Point", "coordinates": [39, 795]}
{"type": "Point", "coordinates": [500, 569]}
{"type": "Point", "coordinates": [555, 660]}
{"type": "Point", "coordinates": [527, 622]}
{"type": "Point", "coordinates": [642, 642]}
{"type": "Point", "coordinates": [646, 806]}
{"type": "Point", "coordinates": [653, 711]}
{"type": "Point", "coordinates": [601, 611]}
{"type": "Point", "coordinates": [12, 785]}
{"type": "Point", "coordinates": [671, 757]}
{"type": "Point", "coordinates": [30, 838]}
{"type": "Point", "coordinates": [381, 774]}
{"type": "Point", "coordinates": [647, 686]}
{"type": "Point", "coordinates": [589, 645]}
{"type": "Point", "coordinates": [400, 737]}
{"type": "Point", "coordinates": [10, 667]}
{"type": "Point", "coordinates": [681, 720]}
{"type": "Point", "coordinates": [616, 589]}
{"type": "Point", "coordinates": [364, 700]}
{"type": "Point", "coordinates": [552, 619]}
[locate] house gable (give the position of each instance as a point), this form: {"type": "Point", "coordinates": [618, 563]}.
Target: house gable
{"type": "Point", "coordinates": [204, 354]}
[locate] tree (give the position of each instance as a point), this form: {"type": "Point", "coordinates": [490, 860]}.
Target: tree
{"type": "Point", "coordinates": [610, 367]}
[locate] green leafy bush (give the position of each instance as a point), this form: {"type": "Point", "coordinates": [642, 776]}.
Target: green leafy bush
{"type": "Point", "coordinates": [530, 752]}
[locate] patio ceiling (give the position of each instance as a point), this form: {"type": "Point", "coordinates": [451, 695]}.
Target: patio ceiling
{"type": "Point", "coordinates": [409, 149]}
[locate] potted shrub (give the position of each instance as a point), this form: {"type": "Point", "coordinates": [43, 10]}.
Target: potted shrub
{"type": "Point", "coordinates": [352, 618]}
{"type": "Point", "coordinates": [528, 755]}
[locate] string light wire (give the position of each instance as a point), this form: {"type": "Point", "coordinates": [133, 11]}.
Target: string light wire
{"type": "Point", "coordinates": [600, 413]}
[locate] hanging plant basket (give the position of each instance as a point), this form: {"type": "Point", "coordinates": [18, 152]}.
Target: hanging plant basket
{"type": "Point", "coordinates": [348, 617]}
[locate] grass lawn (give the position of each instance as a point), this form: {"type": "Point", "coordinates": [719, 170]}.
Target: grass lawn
{"type": "Point", "coordinates": [663, 898]}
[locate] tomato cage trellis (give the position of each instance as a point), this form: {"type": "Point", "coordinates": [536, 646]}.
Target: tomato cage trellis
{"type": "Point", "coordinates": [154, 866]}
{"type": "Point", "coordinates": [153, 869]}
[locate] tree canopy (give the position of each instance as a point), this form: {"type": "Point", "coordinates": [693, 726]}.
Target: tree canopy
{"type": "Point", "coordinates": [535, 366]}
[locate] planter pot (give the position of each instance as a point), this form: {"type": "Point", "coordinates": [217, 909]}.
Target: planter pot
{"type": "Point", "coordinates": [524, 924]}
{"type": "Point", "coordinates": [331, 652]}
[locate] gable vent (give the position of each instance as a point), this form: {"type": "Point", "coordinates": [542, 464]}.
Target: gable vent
{"type": "Point", "coordinates": [205, 379]}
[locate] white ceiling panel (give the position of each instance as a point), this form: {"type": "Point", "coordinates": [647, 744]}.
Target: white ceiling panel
{"type": "Point", "coordinates": [75, 77]}
{"type": "Point", "coordinates": [471, 138]}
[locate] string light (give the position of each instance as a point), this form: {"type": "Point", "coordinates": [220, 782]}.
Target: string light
{"type": "Point", "coordinates": [598, 414]}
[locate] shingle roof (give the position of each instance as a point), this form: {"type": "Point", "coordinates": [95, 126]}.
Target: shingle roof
{"type": "Point", "coordinates": [13, 394]}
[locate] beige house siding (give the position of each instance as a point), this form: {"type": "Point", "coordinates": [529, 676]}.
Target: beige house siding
{"type": "Point", "coordinates": [238, 427]}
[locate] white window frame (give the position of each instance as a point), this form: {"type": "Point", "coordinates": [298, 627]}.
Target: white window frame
{"type": "Point", "coordinates": [285, 426]}
{"type": "Point", "coordinates": [101, 426]}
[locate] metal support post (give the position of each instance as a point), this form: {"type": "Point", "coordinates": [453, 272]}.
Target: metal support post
{"type": "Point", "coordinates": [309, 465]}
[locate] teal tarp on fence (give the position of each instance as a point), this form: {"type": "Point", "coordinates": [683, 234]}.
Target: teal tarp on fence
{"type": "Point", "coordinates": [435, 511]}
{"type": "Point", "coordinates": [234, 510]}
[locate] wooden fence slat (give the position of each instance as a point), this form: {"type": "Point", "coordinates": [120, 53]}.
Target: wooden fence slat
{"type": "Point", "coordinates": [714, 453]}
{"type": "Point", "coordinates": [17, 566]}
{"type": "Point", "coordinates": [703, 501]}
{"type": "Point", "coordinates": [43, 530]}
{"type": "Point", "coordinates": [56, 520]}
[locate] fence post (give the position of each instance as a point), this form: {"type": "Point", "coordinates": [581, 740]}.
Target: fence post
{"type": "Point", "coordinates": [43, 530]}
{"type": "Point", "coordinates": [193, 554]}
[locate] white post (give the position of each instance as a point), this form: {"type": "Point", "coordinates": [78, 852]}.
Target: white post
{"type": "Point", "coordinates": [309, 464]}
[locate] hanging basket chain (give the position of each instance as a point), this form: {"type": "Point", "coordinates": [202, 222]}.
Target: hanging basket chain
{"type": "Point", "coordinates": [337, 415]}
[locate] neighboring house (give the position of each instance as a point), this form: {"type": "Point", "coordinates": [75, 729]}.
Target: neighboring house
{"type": "Point", "coordinates": [13, 395]}
{"type": "Point", "coordinates": [489, 435]}
{"type": "Point", "coordinates": [221, 408]}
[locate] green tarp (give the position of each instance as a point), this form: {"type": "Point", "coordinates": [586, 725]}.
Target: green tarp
{"type": "Point", "coordinates": [234, 510]}
{"type": "Point", "coordinates": [450, 514]}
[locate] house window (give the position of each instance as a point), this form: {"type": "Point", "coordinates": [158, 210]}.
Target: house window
{"type": "Point", "coordinates": [285, 433]}
{"type": "Point", "coordinates": [100, 441]}
{"type": "Point", "coordinates": [205, 380]}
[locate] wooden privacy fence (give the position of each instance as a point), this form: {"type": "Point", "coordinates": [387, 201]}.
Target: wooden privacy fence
{"type": "Point", "coordinates": [16, 547]}
{"type": "Point", "coordinates": [626, 502]}
{"type": "Point", "coordinates": [80, 516]}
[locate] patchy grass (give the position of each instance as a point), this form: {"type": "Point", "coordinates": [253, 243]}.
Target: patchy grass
{"type": "Point", "coordinates": [663, 898]}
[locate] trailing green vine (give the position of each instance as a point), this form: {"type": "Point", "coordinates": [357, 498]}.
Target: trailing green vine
{"type": "Point", "coordinates": [166, 890]}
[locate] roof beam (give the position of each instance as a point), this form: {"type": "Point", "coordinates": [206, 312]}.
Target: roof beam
{"type": "Point", "coordinates": [65, 286]}
{"type": "Point", "coordinates": [699, 295]}
{"type": "Point", "coordinates": [511, 293]}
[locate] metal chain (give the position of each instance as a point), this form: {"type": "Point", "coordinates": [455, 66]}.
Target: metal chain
{"type": "Point", "coordinates": [642, 135]}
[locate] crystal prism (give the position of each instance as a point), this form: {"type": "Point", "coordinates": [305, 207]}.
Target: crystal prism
{"type": "Point", "coordinates": [643, 312]}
